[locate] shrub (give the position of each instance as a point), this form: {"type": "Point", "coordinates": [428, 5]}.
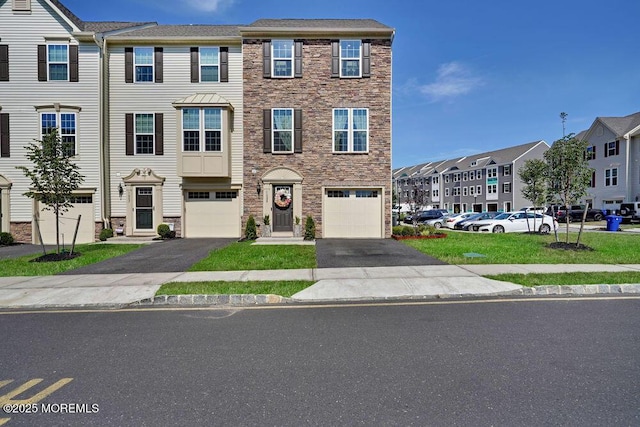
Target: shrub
{"type": "Point", "coordinates": [250, 231]}
{"type": "Point", "coordinates": [297, 219]}
{"type": "Point", "coordinates": [309, 229]}
{"type": "Point", "coordinates": [427, 230]}
{"type": "Point", "coordinates": [408, 230]}
{"type": "Point", "coordinates": [397, 230]}
{"type": "Point", "coordinates": [6, 238]}
{"type": "Point", "coordinates": [105, 234]}
{"type": "Point", "coordinates": [164, 231]}
{"type": "Point", "coordinates": [267, 220]}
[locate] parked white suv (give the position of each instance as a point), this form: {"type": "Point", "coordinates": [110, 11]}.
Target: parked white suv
{"type": "Point", "coordinates": [630, 211]}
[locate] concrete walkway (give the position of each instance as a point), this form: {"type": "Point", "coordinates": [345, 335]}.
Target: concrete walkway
{"type": "Point", "coordinates": [332, 284]}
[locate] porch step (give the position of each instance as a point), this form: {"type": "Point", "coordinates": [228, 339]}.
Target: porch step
{"type": "Point", "coordinates": [283, 241]}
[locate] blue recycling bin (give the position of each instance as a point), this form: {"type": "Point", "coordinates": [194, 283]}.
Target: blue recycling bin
{"type": "Point", "coordinates": [613, 222]}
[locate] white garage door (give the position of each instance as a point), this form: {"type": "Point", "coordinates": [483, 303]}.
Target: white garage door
{"type": "Point", "coordinates": [212, 214]}
{"type": "Point", "coordinates": [82, 205]}
{"type": "Point", "coordinates": [352, 213]}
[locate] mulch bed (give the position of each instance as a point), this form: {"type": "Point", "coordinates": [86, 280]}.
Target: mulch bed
{"type": "Point", "coordinates": [569, 246]}
{"type": "Point", "coordinates": [56, 257]}
{"type": "Point", "coordinates": [432, 236]}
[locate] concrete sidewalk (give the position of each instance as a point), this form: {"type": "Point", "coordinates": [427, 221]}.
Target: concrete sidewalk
{"type": "Point", "coordinates": [332, 284]}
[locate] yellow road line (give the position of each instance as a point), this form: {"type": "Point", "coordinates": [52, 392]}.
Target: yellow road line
{"type": "Point", "coordinates": [8, 398]}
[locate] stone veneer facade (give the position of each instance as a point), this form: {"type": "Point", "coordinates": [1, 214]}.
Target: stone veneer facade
{"type": "Point", "coordinates": [317, 94]}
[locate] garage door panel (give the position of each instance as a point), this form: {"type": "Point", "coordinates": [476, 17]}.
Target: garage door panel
{"type": "Point", "coordinates": [67, 223]}
{"type": "Point", "coordinates": [212, 217]}
{"type": "Point", "coordinates": [353, 213]}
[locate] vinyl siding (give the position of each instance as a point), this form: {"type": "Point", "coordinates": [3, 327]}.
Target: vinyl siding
{"type": "Point", "coordinates": [158, 98]}
{"type": "Point", "coordinates": [600, 192]}
{"type": "Point", "coordinates": [19, 96]}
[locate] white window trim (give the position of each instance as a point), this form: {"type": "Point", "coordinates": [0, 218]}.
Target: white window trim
{"type": "Point", "coordinates": [201, 130]}
{"type": "Point", "coordinates": [465, 191]}
{"type": "Point", "coordinates": [49, 63]}
{"type": "Point", "coordinates": [58, 114]}
{"type": "Point", "coordinates": [479, 190]}
{"type": "Point", "coordinates": [505, 169]}
{"type": "Point", "coordinates": [506, 186]}
{"type": "Point", "coordinates": [611, 148]}
{"type": "Point", "coordinates": [446, 192]}
{"type": "Point", "coordinates": [350, 131]}
{"type": "Point", "coordinates": [135, 134]}
{"type": "Point", "coordinates": [274, 130]}
{"type": "Point", "coordinates": [611, 177]}
{"type": "Point", "coordinates": [351, 59]}
{"type": "Point", "coordinates": [200, 64]}
{"type": "Point", "coordinates": [492, 173]}
{"type": "Point", "coordinates": [153, 65]}
{"type": "Point", "coordinates": [282, 58]}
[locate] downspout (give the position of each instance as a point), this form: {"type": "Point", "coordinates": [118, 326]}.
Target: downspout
{"type": "Point", "coordinates": [627, 173]}
{"type": "Point", "coordinates": [105, 198]}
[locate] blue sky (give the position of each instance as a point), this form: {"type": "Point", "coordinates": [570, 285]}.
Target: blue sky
{"type": "Point", "coordinates": [468, 75]}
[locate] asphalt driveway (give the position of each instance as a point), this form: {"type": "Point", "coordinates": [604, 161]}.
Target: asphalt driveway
{"type": "Point", "coordinates": [166, 256]}
{"type": "Point", "coordinates": [331, 253]}
{"type": "Point", "coordinates": [22, 249]}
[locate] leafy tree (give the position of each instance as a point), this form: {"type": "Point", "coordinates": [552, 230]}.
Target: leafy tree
{"type": "Point", "coordinates": [533, 175]}
{"type": "Point", "coordinates": [54, 176]}
{"type": "Point", "coordinates": [569, 174]}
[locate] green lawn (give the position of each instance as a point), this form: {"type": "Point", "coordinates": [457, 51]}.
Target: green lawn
{"type": "Point", "coordinates": [285, 288]}
{"type": "Point", "coordinates": [517, 248]}
{"type": "Point", "coordinates": [90, 254]}
{"type": "Point", "coordinates": [245, 256]}
{"type": "Point", "coordinates": [576, 278]}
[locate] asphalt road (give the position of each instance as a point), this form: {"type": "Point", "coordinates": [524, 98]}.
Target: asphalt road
{"type": "Point", "coordinates": [512, 363]}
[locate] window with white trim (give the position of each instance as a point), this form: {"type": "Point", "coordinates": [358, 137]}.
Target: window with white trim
{"type": "Point", "coordinates": [456, 177]}
{"type": "Point", "coordinates": [465, 176]}
{"type": "Point", "coordinates": [436, 193]}
{"type": "Point", "coordinates": [456, 191]}
{"type": "Point", "coordinates": [350, 58]}
{"type": "Point", "coordinates": [506, 187]}
{"type": "Point", "coordinates": [282, 130]}
{"type": "Point", "coordinates": [472, 190]}
{"type": "Point", "coordinates": [202, 129]}
{"type": "Point", "coordinates": [143, 64]}
{"type": "Point", "coordinates": [66, 123]}
{"type": "Point", "coordinates": [465, 191]}
{"type": "Point", "coordinates": [492, 189]}
{"type": "Point", "coordinates": [350, 130]}
{"type": "Point", "coordinates": [282, 58]}
{"type": "Point", "coordinates": [506, 171]}
{"type": "Point", "coordinates": [144, 133]}
{"type": "Point", "coordinates": [435, 180]}
{"type": "Point", "coordinates": [209, 64]}
{"type": "Point", "coordinates": [492, 172]}
{"type": "Point", "coordinates": [472, 175]}
{"type": "Point", "coordinates": [58, 62]}
{"type": "Point", "coordinates": [446, 179]}
{"type": "Point", "coordinates": [446, 192]}
{"type": "Point", "coordinates": [610, 177]}
{"type": "Point", "coordinates": [478, 190]}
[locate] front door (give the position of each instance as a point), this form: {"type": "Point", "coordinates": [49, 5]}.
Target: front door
{"type": "Point", "coordinates": [282, 208]}
{"type": "Point", "coordinates": [144, 208]}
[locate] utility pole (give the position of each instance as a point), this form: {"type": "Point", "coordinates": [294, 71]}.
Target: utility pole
{"type": "Point", "coordinates": [563, 117]}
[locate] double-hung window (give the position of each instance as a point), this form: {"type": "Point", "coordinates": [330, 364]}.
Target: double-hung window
{"type": "Point", "coordinates": [507, 170]}
{"type": "Point", "coordinates": [492, 172]}
{"type": "Point", "coordinates": [591, 153]}
{"type": "Point", "coordinates": [209, 64]}
{"type": "Point", "coordinates": [351, 130]}
{"type": "Point", "coordinates": [143, 64]}
{"type": "Point", "coordinates": [66, 124]}
{"type": "Point", "coordinates": [58, 61]}
{"type": "Point", "coordinates": [282, 58]}
{"type": "Point", "coordinates": [350, 58]}
{"type": "Point", "coordinates": [201, 129]}
{"type": "Point", "coordinates": [282, 130]}
{"type": "Point", "coordinates": [144, 133]}
{"type": "Point", "coordinates": [610, 177]}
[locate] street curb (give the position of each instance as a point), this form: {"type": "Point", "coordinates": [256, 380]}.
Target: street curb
{"type": "Point", "coordinates": [243, 300]}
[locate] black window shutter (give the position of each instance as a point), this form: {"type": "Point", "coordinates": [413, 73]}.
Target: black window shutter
{"type": "Point", "coordinates": [224, 64]}
{"type": "Point", "coordinates": [335, 58]}
{"type": "Point", "coordinates": [297, 59]}
{"type": "Point", "coordinates": [297, 131]}
{"type": "Point", "coordinates": [128, 130]}
{"type": "Point", "coordinates": [617, 147]}
{"type": "Point", "coordinates": [266, 59]}
{"type": "Point", "coordinates": [73, 63]}
{"type": "Point", "coordinates": [366, 58]}
{"type": "Point", "coordinates": [158, 64]}
{"type": "Point", "coordinates": [606, 150]}
{"type": "Point", "coordinates": [42, 63]}
{"type": "Point", "coordinates": [266, 131]}
{"type": "Point", "coordinates": [195, 65]}
{"type": "Point", "coordinates": [159, 134]}
{"type": "Point", "coordinates": [4, 135]}
{"type": "Point", "coordinates": [593, 155]}
{"type": "Point", "coordinates": [128, 65]}
{"type": "Point", "coordinates": [4, 63]}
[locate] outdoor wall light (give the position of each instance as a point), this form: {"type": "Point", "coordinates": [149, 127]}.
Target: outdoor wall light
{"type": "Point", "coordinates": [258, 188]}
{"type": "Point", "coordinates": [120, 190]}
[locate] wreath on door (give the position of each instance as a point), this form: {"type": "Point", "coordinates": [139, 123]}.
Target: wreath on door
{"type": "Point", "coordinates": [282, 199]}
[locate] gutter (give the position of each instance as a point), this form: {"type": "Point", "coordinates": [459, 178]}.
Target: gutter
{"type": "Point", "coordinates": [105, 199]}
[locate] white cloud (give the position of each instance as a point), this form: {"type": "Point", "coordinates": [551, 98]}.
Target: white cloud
{"type": "Point", "coordinates": [453, 79]}
{"type": "Point", "coordinates": [208, 5]}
